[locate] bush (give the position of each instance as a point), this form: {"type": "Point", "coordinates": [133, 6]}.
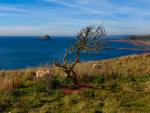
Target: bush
{"type": "Point", "coordinates": [97, 111]}
{"type": "Point", "coordinates": [39, 86]}
{"type": "Point", "coordinates": [5, 102]}
{"type": "Point", "coordinates": [90, 93]}
{"type": "Point", "coordinates": [95, 79]}
{"type": "Point", "coordinates": [19, 110]}
{"type": "Point", "coordinates": [75, 99]}
{"type": "Point", "coordinates": [114, 86]}
{"type": "Point", "coordinates": [98, 79]}
{"type": "Point", "coordinates": [87, 78]}
{"type": "Point", "coordinates": [55, 83]}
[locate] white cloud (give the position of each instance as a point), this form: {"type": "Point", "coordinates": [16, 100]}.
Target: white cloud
{"type": "Point", "coordinates": [11, 9]}
{"type": "Point", "coordinates": [118, 18]}
{"type": "Point", "coordinates": [80, 8]}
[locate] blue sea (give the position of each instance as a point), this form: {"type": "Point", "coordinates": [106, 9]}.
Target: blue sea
{"type": "Point", "coordinates": [23, 52]}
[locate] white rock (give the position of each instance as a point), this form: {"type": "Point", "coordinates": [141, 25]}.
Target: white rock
{"type": "Point", "coordinates": [42, 74]}
{"type": "Point", "coordinates": [97, 66]}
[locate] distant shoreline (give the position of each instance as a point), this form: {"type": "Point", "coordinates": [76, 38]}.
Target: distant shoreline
{"type": "Point", "coordinates": [132, 49]}
{"type": "Point", "coordinates": [134, 42]}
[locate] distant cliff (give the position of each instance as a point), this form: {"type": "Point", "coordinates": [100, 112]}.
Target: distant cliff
{"type": "Point", "coordinates": [139, 37]}
{"type": "Point", "coordinates": [139, 40]}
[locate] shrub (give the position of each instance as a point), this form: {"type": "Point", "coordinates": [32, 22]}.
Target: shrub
{"type": "Point", "coordinates": [5, 102]}
{"type": "Point", "coordinates": [87, 78]}
{"type": "Point", "coordinates": [75, 99]}
{"type": "Point", "coordinates": [98, 79]}
{"type": "Point", "coordinates": [19, 110]}
{"type": "Point", "coordinates": [90, 93]}
{"type": "Point", "coordinates": [95, 79]}
{"type": "Point", "coordinates": [55, 83]}
{"type": "Point", "coordinates": [97, 111]}
{"type": "Point", "coordinates": [39, 86]}
{"type": "Point", "coordinates": [113, 86]}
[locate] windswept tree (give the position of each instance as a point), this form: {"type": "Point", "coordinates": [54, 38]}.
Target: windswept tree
{"type": "Point", "coordinates": [89, 38]}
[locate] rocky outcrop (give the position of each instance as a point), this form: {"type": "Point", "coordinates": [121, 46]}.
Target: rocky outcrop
{"type": "Point", "coordinates": [97, 66]}
{"type": "Point", "coordinates": [46, 37]}
{"type": "Point", "coordinates": [42, 74]}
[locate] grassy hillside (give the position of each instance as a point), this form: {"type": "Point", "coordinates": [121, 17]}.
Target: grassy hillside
{"type": "Point", "coordinates": [121, 85]}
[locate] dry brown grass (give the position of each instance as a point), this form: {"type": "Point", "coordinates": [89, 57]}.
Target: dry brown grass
{"type": "Point", "coordinates": [128, 65]}
{"type": "Point", "coordinates": [134, 65]}
{"type": "Point", "coordinates": [147, 86]}
{"type": "Point", "coordinates": [8, 84]}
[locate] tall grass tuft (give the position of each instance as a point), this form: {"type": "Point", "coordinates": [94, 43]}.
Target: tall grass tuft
{"type": "Point", "coordinates": [8, 84]}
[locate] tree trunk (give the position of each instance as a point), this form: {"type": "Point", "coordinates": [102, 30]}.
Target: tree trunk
{"type": "Point", "coordinates": [75, 78]}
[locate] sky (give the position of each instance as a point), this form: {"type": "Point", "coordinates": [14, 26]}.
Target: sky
{"type": "Point", "coordinates": [67, 17]}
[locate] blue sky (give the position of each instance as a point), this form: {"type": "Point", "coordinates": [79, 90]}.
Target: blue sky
{"type": "Point", "coordinates": [67, 17]}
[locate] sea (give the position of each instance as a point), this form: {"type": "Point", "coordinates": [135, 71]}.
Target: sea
{"type": "Point", "coordinates": [17, 52]}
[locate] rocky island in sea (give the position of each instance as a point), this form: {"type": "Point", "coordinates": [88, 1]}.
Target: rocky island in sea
{"type": "Point", "coordinates": [45, 37]}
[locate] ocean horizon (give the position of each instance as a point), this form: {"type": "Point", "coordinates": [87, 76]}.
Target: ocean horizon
{"type": "Point", "coordinates": [17, 52]}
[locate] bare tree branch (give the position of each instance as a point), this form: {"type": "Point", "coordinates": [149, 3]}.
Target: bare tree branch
{"type": "Point", "coordinates": [89, 38]}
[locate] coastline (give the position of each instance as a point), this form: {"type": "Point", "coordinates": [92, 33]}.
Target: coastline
{"type": "Point", "coordinates": [134, 42]}
{"type": "Point", "coordinates": [33, 69]}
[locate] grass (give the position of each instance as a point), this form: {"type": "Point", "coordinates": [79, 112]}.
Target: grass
{"type": "Point", "coordinates": [122, 85]}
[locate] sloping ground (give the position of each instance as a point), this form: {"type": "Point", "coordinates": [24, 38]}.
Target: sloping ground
{"type": "Point", "coordinates": [122, 86]}
{"type": "Point", "coordinates": [134, 65]}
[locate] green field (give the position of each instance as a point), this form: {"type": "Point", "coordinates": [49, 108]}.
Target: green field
{"type": "Point", "coordinates": [121, 85]}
